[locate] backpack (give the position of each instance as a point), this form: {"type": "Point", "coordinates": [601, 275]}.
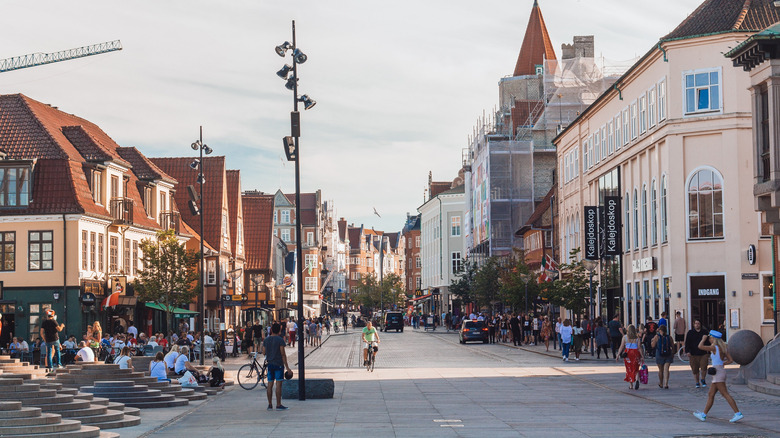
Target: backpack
{"type": "Point", "coordinates": [665, 346]}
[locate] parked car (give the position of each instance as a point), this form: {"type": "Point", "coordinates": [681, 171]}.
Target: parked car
{"type": "Point", "coordinates": [394, 321]}
{"type": "Point", "coordinates": [472, 330]}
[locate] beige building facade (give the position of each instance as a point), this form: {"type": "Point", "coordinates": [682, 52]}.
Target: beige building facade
{"type": "Point", "coordinates": [669, 148]}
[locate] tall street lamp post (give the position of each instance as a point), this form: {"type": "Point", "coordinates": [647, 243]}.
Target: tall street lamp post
{"type": "Point", "coordinates": [199, 166]}
{"type": "Point", "coordinates": [291, 146]}
{"type": "Point", "coordinates": [591, 265]}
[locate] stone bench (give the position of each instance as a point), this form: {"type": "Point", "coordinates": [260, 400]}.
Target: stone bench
{"type": "Point", "coordinates": [315, 389]}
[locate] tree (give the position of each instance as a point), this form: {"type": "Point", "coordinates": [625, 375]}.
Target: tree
{"type": "Point", "coordinates": [518, 283]}
{"type": "Point", "coordinates": [571, 289]}
{"type": "Point", "coordinates": [486, 283]}
{"type": "Point", "coordinates": [370, 293]}
{"type": "Point", "coordinates": [169, 276]}
{"type": "Point", "coordinates": [463, 285]}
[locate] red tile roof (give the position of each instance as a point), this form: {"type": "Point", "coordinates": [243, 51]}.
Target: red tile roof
{"type": "Point", "coordinates": [143, 166]}
{"type": "Point", "coordinates": [536, 45]}
{"type": "Point", "coordinates": [437, 187]}
{"type": "Point", "coordinates": [258, 212]}
{"type": "Point", "coordinates": [719, 16]}
{"type": "Point", "coordinates": [213, 192]}
{"type": "Point", "coordinates": [234, 204]}
{"type": "Point", "coordinates": [62, 144]}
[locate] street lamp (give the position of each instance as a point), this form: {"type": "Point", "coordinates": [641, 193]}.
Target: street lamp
{"type": "Point", "coordinates": [291, 149]}
{"type": "Point", "coordinates": [591, 266]}
{"type": "Point", "coordinates": [198, 165]}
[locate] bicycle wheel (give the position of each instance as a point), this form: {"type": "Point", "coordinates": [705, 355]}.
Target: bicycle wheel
{"type": "Point", "coordinates": [263, 374]}
{"type": "Point", "coordinates": [248, 377]}
{"type": "Point", "coordinates": [681, 355]}
{"type": "Point", "coordinates": [373, 361]}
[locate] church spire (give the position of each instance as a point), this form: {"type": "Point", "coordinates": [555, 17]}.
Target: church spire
{"type": "Point", "coordinates": [536, 44]}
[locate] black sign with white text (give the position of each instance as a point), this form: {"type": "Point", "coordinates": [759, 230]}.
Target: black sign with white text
{"type": "Point", "coordinates": [592, 233]}
{"type": "Point", "coordinates": [612, 244]}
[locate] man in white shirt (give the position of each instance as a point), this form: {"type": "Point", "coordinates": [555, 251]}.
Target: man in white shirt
{"type": "Point", "coordinates": [85, 353]}
{"type": "Point", "coordinates": [131, 329]}
{"type": "Point", "coordinates": [208, 339]}
{"type": "Point", "coordinates": [152, 342]}
{"type": "Point", "coordinates": [472, 316]}
{"type": "Point", "coordinates": [292, 327]}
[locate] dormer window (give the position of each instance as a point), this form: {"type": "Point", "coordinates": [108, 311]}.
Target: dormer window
{"type": "Point", "coordinates": [148, 201]}
{"type": "Point", "coordinates": [97, 186]}
{"type": "Point", "coordinates": [14, 186]}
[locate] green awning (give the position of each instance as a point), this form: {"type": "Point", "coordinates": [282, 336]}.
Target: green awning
{"type": "Point", "coordinates": [176, 310]}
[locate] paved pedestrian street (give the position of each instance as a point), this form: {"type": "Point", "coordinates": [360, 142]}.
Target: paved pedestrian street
{"type": "Point", "coordinates": [428, 385]}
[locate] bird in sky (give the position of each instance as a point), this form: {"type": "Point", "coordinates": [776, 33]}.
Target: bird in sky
{"type": "Point", "coordinates": [376, 212]}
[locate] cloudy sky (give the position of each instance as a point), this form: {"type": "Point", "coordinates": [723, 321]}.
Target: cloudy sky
{"type": "Point", "coordinates": [399, 85]}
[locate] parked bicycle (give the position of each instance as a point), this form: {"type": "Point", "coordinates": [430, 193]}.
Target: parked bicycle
{"type": "Point", "coordinates": [251, 374]}
{"type": "Point", "coordinates": [683, 355]}
{"type": "Point", "coordinates": [335, 327]}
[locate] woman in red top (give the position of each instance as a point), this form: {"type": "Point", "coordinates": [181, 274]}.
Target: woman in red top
{"type": "Point", "coordinates": [634, 356]}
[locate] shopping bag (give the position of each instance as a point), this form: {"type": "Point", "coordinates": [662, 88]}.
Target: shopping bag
{"type": "Point", "coordinates": [188, 380]}
{"type": "Point", "coordinates": [643, 374]}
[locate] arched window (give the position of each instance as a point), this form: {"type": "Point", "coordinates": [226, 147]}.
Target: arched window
{"type": "Point", "coordinates": [653, 215]}
{"type": "Point", "coordinates": [664, 222]}
{"type": "Point", "coordinates": [705, 205]}
{"type": "Point", "coordinates": [636, 220]}
{"type": "Point", "coordinates": [627, 223]}
{"type": "Point", "coordinates": [577, 243]}
{"type": "Point", "coordinates": [568, 238]}
{"type": "Point", "coordinates": [644, 216]}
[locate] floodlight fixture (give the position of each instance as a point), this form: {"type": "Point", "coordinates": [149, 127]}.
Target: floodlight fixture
{"type": "Point", "coordinates": [201, 179]}
{"type": "Point", "coordinates": [299, 57]}
{"type": "Point", "coordinates": [195, 145]}
{"type": "Point", "coordinates": [284, 71]}
{"type": "Point", "coordinates": [207, 150]}
{"type": "Point", "coordinates": [195, 164]}
{"type": "Point", "coordinates": [308, 103]}
{"type": "Point", "coordinates": [281, 49]}
{"type": "Point", "coordinates": [290, 85]}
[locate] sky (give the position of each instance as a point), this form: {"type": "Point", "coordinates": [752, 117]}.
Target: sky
{"type": "Point", "coordinates": [399, 85]}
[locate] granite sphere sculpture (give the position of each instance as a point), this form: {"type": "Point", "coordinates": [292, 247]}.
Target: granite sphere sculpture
{"type": "Point", "coordinates": [744, 346]}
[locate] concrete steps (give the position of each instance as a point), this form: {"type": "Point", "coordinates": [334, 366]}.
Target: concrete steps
{"type": "Point", "coordinates": [139, 396]}
{"type": "Point", "coordinates": [764, 386]}
{"type": "Point", "coordinates": [19, 421]}
{"type": "Point", "coordinates": [15, 366]}
{"type": "Point", "coordinates": [45, 395]}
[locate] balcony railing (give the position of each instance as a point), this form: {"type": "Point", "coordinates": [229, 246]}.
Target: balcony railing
{"type": "Point", "coordinates": [169, 220]}
{"type": "Point", "coordinates": [121, 210]}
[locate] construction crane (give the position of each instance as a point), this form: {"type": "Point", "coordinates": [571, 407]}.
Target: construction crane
{"type": "Point", "coordinates": [36, 59]}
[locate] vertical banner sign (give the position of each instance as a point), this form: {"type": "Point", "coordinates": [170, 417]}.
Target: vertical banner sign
{"type": "Point", "coordinates": [591, 233]}
{"type": "Point", "coordinates": [612, 226]}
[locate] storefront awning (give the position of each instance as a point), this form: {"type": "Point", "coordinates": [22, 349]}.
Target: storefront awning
{"type": "Point", "coordinates": [176, 310]}
{"type": "Point", "coordinates": [424, 297]}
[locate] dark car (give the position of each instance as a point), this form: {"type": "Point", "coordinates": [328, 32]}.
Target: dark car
{"type": "Point", "coordinates": [394, 321]}
{"type": "Point", "coordinates": [472, 330]}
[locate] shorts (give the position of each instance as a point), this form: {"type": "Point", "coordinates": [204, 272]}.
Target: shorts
{"type": "Point", "coordinates": [374, 344]}
{"type": "Point", "coordinates": [275, 372]}
{"type": "Point", "coordinates": [258, 341]}
{"type": "Point", "coordinates": [698, 363]}
{"type": "Point", "coordinates": [679, 338]}
{"type": "Point", "coordinates": [660, 360]}
{"type": "Point", "coordinates": [720, 375]}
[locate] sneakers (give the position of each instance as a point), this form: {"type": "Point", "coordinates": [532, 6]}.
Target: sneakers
{"type": "Point", "coordinates": [576, 358]}
{"type": "Point", "coordinates": [269, 408]}
{"type": "Point", "coordinates": [281, 408]}
{"type": "Point", "coordinates": [365, 362]}
{"type": "Point", "coordinates": [698, 386]}
{"type": "Point", "coordinates": [702, 416]}
{"type": "Point", "coordinates": [738, 416]}
{"type": "Point", "coordinates": [703, 383]}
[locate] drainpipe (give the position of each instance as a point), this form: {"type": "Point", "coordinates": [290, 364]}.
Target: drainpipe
{"type": "Point", "coordinates": [441, 244]}
{"type": "Point", "coordinates": [661, 48]}
{"type": "Point", "coordinates": [65, 269]}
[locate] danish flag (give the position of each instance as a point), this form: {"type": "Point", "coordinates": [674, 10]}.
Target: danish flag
{"type": "Point", "coordinates": [548, 264]}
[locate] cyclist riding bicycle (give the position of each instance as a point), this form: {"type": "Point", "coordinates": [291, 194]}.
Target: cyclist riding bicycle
{"type": "Point", "coordinates": [371, 339]}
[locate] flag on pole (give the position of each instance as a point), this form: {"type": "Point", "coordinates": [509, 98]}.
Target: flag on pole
{"type": "Point", "coordinates": [549, 266]}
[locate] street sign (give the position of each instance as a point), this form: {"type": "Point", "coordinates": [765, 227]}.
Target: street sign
{"type": "Point", "coordinates": [591, 233]}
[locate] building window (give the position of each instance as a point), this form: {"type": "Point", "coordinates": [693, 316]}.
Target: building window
{"type": "Point", "coordinates": [705, 205]}
{"type": "Point", "coordinates": [584, 157]}
{"type": "Point", "coordinates": [285, 216]}
{"type": "Point", "coordinates": [764, 166]}
{"type": "Point", "coordinates": [455, 226]}
{"type": "Point", "coordinates": [644, 216]}
{"type": "Point", "coordinates": [276, 217]}
{"type": "Point", "coordinates": [636, 219]}
{"type": "Point", "coordinates": [8, 251]}
{"type": "Point", "coordinates": [767, 296]}
{"type": "Point", "coordinates": [126, 258]}
{"type": "Point", "coordinates": [409, 243]}
{"type": "Point", "coordinates": [651, 107]}
{"type": "Point", "coordinates": [369, 262]}
{"type": "Point", "coordinates": [92, 251]}
{"type": "Point", "coordinates": [662, 100]}
{"type": "Point", "coordinates": [627, 222]}
{"type": "Point", "coordinates": [135, 257]}
{"type": "Point", "coordinates": [417, 262]}
{"type": "Point", "coordinates": [310, 260]}
{"type": "Point", "coordinates": [418, 281]}
{"type": "Point", "coordinates": [241, 237]}
{"type": "Point", "coordinates": [84, 250]}
{"type": "Point", "coordinates": [702, 91]}
{"type": "Point", "coordinates": [309, 238]}
{"type": "Point", "coordinates": [101, 252]}
{"type": "Point", "coordinates": [286, 234]}
{"type": "Point", "coordinates": [417, 241]}
{"type": "Point", "coordinates": [596, 148]}
{"type": "Point", "coordinates": [653, 215]}
{"type": "Point", "coordinates": [634, 126]}
{"type": "Point", "coordinates": [604, 142]}
{"type": "Point", "coordinates": [618, 138]}
{"type": "Point", "coordinates": [664, 223]}
{"type": "Point", "coordinates": [113, 254]}
{"type": "Point", "coordinates": [311, 284]}
{"type": "Point", "coordinates": [41, 250]}
{"type": "Point", "coordinates": [610, 139]}
{"type": "Point", "coordinates": [457, 262]}
{"type": "Point", "coordinates": [642, 114]}
{"type": "Point", "coordinates": [14, 186]}
{"type": "Point", "coordinates": [211, 272]}
{"type": "Point", "coordinates": [626, 131]}
{"type": "Point", "coordinates": [97, 186]}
